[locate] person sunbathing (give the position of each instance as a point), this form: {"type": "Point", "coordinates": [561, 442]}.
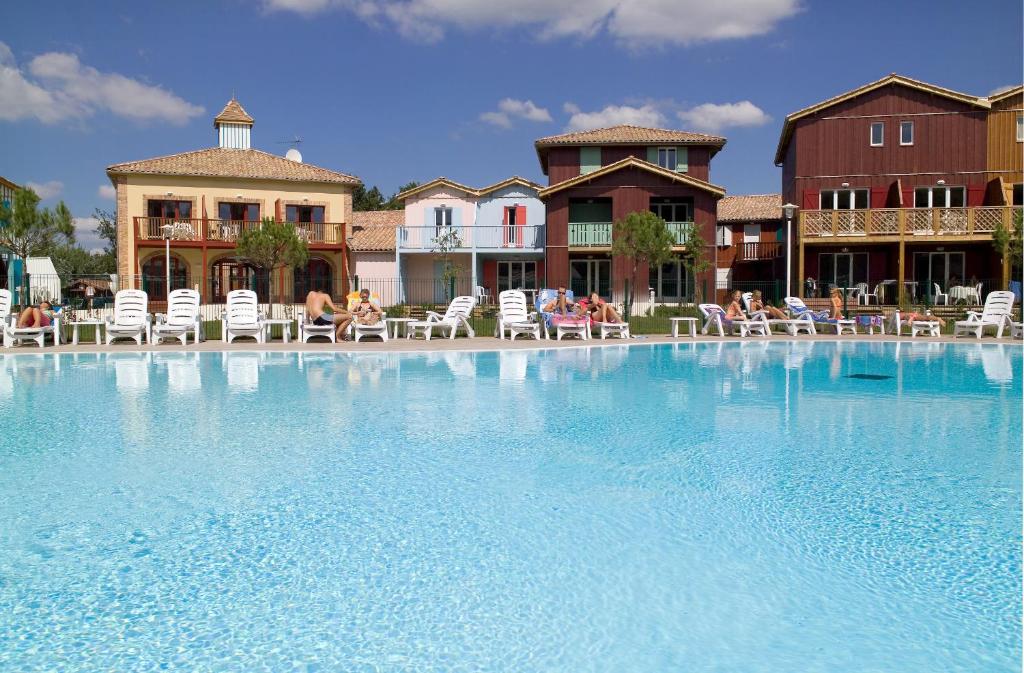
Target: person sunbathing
{"type": "Point", "coordinates": [316, 300]}
{"type": "Point", "coordinates": [757, 304]}
{"type": "Point", "coordinates": [836, 304]}
{"type": "Point", "coordinates": [561, 304]}
{"type": "Point", "coordinates": [37, 316]}
{"type": "Point", "coordinates": [366, 312]}
{"type": "Point", "coordinates": [735, 310]}
{"type": "Point", "coordinates": [914, 316]}
{"type": "Point", "coordinates": [600, 310]}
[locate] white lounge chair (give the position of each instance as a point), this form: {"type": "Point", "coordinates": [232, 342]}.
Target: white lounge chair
{"type": "Point", "coordinates": [378, 329]}
{"type": "Point", "coordinates": [514, 316]}
{"type": "Point", "coordinates": [457, 315]}
{"type": "Point", "coordinates": [915, 327]}
{"type": "Point", "coordinates": [16, 335]}
{"type": "Point", "coordinates": [308, 329]}
{"type": "Point", "coordinates": [242, 318]}
{"type": "Point", "coordinates": [994, 315]}
{"type": "Point", "coordinates": [182, 317]}
{"type": "Point", "coordinates": [131, 317]}
{"type": "Point", "coordinates": [714, 316]}
{"type": "Point", "coordinates": [792, 326]}
{"type": "Point", "coordinates": [798, 309]}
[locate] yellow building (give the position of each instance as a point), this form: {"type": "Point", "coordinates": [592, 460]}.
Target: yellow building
{"type": "Point", "coordinates": [204, 199]}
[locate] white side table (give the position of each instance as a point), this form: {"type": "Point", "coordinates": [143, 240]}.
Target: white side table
{"type": "Point", "coordinates": [286, 328]}
{"type": "Point", "coordinates": [690, 322]}
{"type": "Point", "coordinates": [97, 327]}
{"type": "Point", "coordinates": [397, 324]}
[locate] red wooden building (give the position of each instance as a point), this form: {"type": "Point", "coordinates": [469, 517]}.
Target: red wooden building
{"type": "Point", "coordinates": [895, 190]}
{"type": "Point", "coordinates": [597, 177]}
{"type": "Point", "coordinates": [751, 241]}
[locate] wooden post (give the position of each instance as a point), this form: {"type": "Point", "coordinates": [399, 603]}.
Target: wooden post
{"type": "Point", "coordinates": [900, 291]}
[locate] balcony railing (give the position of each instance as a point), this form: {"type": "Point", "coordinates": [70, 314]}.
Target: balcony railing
{"type": "Point", "coordinates": [228, 231]}
{"type": "Point", "coordinates": [599, 234]}
{"type": "Point", "coordinates": [755, 251]}
{"type": "Point", "coordinates": [480, 237]}
{"type": "Point", "coordinates": [981, 220]}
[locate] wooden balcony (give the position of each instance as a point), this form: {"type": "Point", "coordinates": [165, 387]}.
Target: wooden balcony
{"type": "Point", "coordinates": [226, 232]}
{"type": "Point", "coordinates": [892, 224]}
{"type": "Point", "coordinates": [599, 234]}
{"type": "Point", "coordinates": [756, 251]}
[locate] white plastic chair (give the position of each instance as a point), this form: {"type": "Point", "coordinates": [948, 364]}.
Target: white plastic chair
{"type": "Point", "coordinates": [131, 317]}
{"type": "Point", "coordinates": [182, 317]}
{"type": "Point", "coordinates": [714, 316]}
{"type": "Point", "coordinates": [995, 314]}
{"type": "Point", "coordinates": [457, 315]}
{"type": "Point", "coordinates": [793, 326]}
{"type": "Point", "coordinates": [514, 316]}
{"type": "Point", "coordinates": [379, 328]}
{"type": "Point", "coordinates": [940, 297]}
{"type": "Point", "coordinates": [242, 318]}
{"type": "Point", "coordinates": [308, 329]}
{"type": "Point", "coordinates": [865, 296]}
{"type": "Point", "coordinates": [481, 295]}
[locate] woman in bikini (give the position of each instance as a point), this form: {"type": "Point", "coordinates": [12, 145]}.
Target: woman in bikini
{"type": "Point", "coordinates": [735, 310]}
{"type": "Point", "coordinates": [366, 312]}
{"type": "Point", "coordinates": [600, 310]}
{"type": "Point", "coordinates": [836, 303]}
{"type": "Point", "coordinates": [757, 304]}
{"type": "Point", "coordinates": [41, 316]}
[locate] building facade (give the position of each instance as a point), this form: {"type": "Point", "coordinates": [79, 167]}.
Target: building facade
{"type": "Point", "coordinates": [204, 199]}
{"type": "Point", "coordinates": [899, 188]}
{"type": "Point", "coordinates": [600, 176]}
{"type": "Point", "coordinates": [751, 242]}
{"type": "Point", "coordinates": [491, 238]}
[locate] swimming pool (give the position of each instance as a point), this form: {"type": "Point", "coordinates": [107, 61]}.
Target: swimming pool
{"type": "Point", "coordinates": [761, 506]}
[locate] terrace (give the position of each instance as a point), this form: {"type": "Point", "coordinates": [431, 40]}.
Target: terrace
{"type": "Point", "coordinates": [599, 234]}
{"type": "Point", "coordinates": [226, 232]}
{"type": "Point", "coordinates": [488, 238]}
{"type": "Point", "coordinates": [892, 224]}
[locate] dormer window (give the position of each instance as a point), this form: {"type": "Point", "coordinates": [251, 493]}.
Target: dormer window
{"type": "Point", "coordinates": [667, 158]}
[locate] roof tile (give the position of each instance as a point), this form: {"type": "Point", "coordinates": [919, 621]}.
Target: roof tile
{"type": "Point", "coordinates": [233, 112]}
{"type": "Point", "coordinates": [750, 208]}
{"type": "Point", "coordinates": [232, 163]}
{"type": "Point", "coordinates": [628, 134]}
{"type": "Point", "coordinates": [374, 230]}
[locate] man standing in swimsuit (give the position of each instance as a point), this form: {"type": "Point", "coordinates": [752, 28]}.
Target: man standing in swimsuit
{"type": "Point", "coordinates": [316, 300]}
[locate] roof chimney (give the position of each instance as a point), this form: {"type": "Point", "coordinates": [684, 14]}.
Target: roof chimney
{"type": "Point", "coordinates": [234, 126]}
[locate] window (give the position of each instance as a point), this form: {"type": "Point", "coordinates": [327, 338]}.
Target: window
{"type": "Point", "coordinates": [590, 159]}
{"type": "Point", "coordinates": [517, 276]}
{"type": "Point", "coordinates": [512, 226]}
{"type": "Point", "coordinates": [723, 239]}
{"type": "Point", "coordinates": [906, 133]}
{"type": "Point", "coordinates": [442, 221]}
{"type": "Point", "coordinates": [842, 269]}
{"type": "Point", "coordinates": [304, 214]}
{"type": "Point", "coordinates": [939, 197]}
{"type": "Point", "coordinates": [1018, 194]}
{"type": "Point", "coordinates": [844, 199]}
{"type": "Point", "coordinates": [246, 212]}
{"type": "Point", "coordinates": [154, 276]}
{"type": "Point", "coordinates": [751, 233]}
{"type": "Point", "coordinates": [672, 211]}
{"type": "Point", "coordinates": [227, 275]}
{"type": "Point", "coordinates": [670, 282]}
{"type": "Point", "coordinates": [877, 134]}
{"type": "Point", "coordinates": [1020, 128]}
{"type": "Point", "coordinates": [667, 157]}
{"type": "Point", "coordinates": [181, 210]}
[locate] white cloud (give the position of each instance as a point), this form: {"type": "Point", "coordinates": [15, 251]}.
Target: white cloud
{"type": "Point", "coordinates": [715, 117]}
{"type": "Point", "coordinates": [510, 108]}
{"type": "Point", "coordinates": [46, 190]}
{"type": "Point", "coordinates": [636, 24]}
{"type": "Point", "coordinates": [106, 192]}
{"type": "Point", "coordinates": [613, 115]}
{"type": "Point", "coordinates": [86, 235]}
{"type": "Point", "coordinates": [57, 86]}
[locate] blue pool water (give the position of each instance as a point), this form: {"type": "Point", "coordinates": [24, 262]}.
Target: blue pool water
{"type": "Point", "coordinates": [696, 507]}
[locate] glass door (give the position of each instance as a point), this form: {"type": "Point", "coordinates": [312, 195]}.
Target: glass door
{"type": "Point", "coordinates": [590, 275]}
{"type": "Point", "coordinates": [843, 269]}
{"type": "Point", "coordinates": [517, 276]}
{"type": "Point", "coordinates": [942, 268]}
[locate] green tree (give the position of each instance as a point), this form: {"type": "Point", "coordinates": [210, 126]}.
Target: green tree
{"type": "Point", "coordinates": [273, 245]}
{"type": "Point", "coordinates": [644, 238]}
{"type": "Point", "coordinates": [695, 257]}
{"type": "Point", "coordinates": [106, 228]}
{"type": "Point", "coordinates": [393, 202]}
{"type": "Point", "coordinates": [446, 243]}
{"type": "Point", "coordinates": [1008, 243]}
{"type": "Point", "coordinates": [30, 232]}
{"type": "Point", "coordinates": [70, 260]}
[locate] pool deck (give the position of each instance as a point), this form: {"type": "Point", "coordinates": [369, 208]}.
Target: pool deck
{"type": "Point", "coordinates": [479, 343]}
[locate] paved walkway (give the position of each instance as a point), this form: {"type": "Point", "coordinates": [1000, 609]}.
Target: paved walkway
{"type": "Point", "coordinates": [462, 343]}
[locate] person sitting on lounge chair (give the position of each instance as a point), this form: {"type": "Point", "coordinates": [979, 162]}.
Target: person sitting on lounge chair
{"type": "Point", "coordinates": [561, 304]}
{"type": "Point", "coordinates": [836, 303]}
{"type": "Point", "coordinates": [914, 316]}
{"type": "Point", "coordinates": [735, 310]}
{"type": "Point", "coordinates": [316, 300]}
{"type": "Point", "coordinates": [37, 316]}
{"type": "Point", "coordinates": [600, 310]}
{"type": "Point", "coordinates": [757, 304]}
{"type": "Point", "coordinates": [366, 312]}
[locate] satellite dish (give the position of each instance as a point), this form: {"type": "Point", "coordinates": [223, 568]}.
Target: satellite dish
{"type": "Point", "coordinates": [294, 155]}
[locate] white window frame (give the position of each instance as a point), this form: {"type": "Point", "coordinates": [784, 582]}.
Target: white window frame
{"type": "Point", "coordinates": [907, 125]}
{"type": "Point", "coordinates": [946, 190]}
{"type": "Point", "coordinates": [675, 158]}
{"type": "Point", "coordinates": [507, 265]}
{"type": "Point", "coordinates": [751, 233]}
{"type": "Point", "coordinates": [835, 198]}
{"type": "Point", "coordinates": [445, 225]}
{"type": "Point", "coordinates": [871, 134]}
{"type": "Point", "coordinates": [1020, 128]}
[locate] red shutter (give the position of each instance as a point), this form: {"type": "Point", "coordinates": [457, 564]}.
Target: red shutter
{"type": "Point", "coordinates": [975, 195]}
{"type": "Point", "coordinates": [908, 197]}
{"type": "Point", "coordinates": [491, 276]}
{"type": "Point", "coordinates": [878, 195]}
{"type": "Point", "coordinates": [277, 211]}
{"type": "Point", "coordinates": [810, 199]}
{"type": "Point", "coordinates": [540, 273]}
{"type": "Point", "coordinates": [520, 223]}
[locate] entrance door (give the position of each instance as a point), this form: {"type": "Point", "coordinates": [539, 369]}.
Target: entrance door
{"type": "Point", "coordinates": [590, 275]}
{"type": "Point", "coordinates": [944, 268]}
{"type": "Point", "coordinates": [843, 269]}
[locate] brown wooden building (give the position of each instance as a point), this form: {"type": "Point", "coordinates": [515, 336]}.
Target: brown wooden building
{"type": "Point", "coordinates": [1005, 170]}
{"type": "Point", "coordinates": [899, 188]}
{"type": "Point", "coordinates": [597, 177]}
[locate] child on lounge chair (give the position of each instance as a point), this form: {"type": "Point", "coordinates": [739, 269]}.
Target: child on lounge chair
{"type": "Point", "coordinates": [836, 302]}
{"type": "Point", "coordinates": [757, 304]}
{"type": "Point", "coordinates": [735, 310]}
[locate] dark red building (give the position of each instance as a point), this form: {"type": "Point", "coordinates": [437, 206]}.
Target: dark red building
{"type": "Point", "coordinates": [894, 195]}
{"type": "Point", "coordinates": [600, 176]}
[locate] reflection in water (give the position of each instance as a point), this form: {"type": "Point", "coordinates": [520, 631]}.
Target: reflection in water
{"type": "Point", "coordinates": [996, 363]}
{"type": "Point", "coordinates": [131, 371]}
{"type": "Point", "coordinates": [243, 370]}
{"type": "Point", "coordinates": [460, 363]}
{"type": "Point", "coordinates": [512, 365]}
{"type": "Point", "coordinates": [183, 374]}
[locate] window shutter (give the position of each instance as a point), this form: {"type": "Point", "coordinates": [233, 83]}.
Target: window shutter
{"type": "Point", "coordinates": [682, 159]}
{"type": "Point", "coordinates": [429, 219]}
{"type": "Point", "coordinates": [457, 221]}
{"type": "Point", "coordinates": [520, 224]}
{"type": "Point", "coordinates": [590, 159]}
{"type": "Point", "coordinates": [652, 155]}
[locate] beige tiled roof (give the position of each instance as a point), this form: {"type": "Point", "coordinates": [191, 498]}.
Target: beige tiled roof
{"type": "Point", "coordinates": [627, 134]}
{"type": "Point", "coordinates": [374, 230]}
{"type": "Point", "coordinates": [233, 112]}
{"type": "Point", "coordinates": [230, 163]}
{"type": "Point", "coordinates": [750, 208]}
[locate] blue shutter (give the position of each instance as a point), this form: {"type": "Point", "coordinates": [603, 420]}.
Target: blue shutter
{"type": "Point", "coordinates": [590, 159]}
{"type": "Point", "coordinates": [652, 155]}
{"type": "Point", "coordinates": [682, 159]}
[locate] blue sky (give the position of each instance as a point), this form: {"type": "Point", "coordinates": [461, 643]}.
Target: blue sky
{"type": "Point", "coordinates": [399, 90]}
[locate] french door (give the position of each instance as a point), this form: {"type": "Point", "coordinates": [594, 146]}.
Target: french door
{"type": "Point", "coordinates": [590, 275]}
{"type": "Point", "coordinates": [843, 269]}
{"type": "Point", "coordinates": [517, 276]}
{"type": "Point", "coordinates": [937, 267]}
